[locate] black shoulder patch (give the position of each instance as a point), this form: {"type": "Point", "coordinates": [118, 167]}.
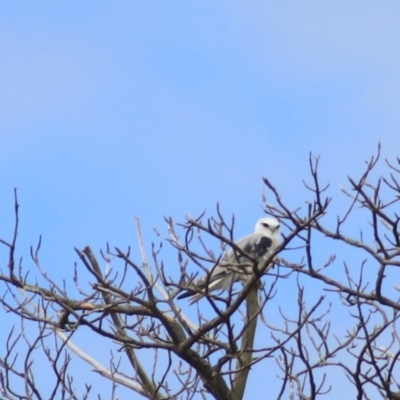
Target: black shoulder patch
{"type": "Point", "coordinates": [261, 247]}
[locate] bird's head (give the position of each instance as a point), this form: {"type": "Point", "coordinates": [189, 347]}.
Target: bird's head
{"type": "Point", "coordinates": [269, 227]}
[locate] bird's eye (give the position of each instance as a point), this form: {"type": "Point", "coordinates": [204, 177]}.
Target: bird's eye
{"type": "Point", "coordinates": [265, 224]}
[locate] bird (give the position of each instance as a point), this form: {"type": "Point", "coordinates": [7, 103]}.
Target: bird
{"type": "Point", "coordinates": [259, 245]}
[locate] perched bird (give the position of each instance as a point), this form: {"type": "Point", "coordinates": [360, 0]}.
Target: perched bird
{"type": "Point", "coordinates": [258, 245]}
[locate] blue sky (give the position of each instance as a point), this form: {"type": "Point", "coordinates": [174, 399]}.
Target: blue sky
{"type": "Point", "coordinates": [110, 110]}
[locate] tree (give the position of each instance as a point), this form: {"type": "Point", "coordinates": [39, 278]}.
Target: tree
{"type": "Point", "coordinates": [340, 332]}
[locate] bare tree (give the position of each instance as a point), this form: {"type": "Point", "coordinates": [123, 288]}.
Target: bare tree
{"type": "Point", "coordinates": [335, 329]}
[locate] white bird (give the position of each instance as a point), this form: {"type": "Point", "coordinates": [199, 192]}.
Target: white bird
{"type": "Point", "coordinates": [258, 245]}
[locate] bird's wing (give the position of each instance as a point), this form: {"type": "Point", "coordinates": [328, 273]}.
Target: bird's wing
{"type": "Point", "coordinates": [255, 245]}
{"type": "Point", "coordinates": [223, 275]}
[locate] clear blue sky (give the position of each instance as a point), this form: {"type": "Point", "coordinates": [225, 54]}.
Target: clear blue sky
{"type": "Point", "coordinates": [110, 110]}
